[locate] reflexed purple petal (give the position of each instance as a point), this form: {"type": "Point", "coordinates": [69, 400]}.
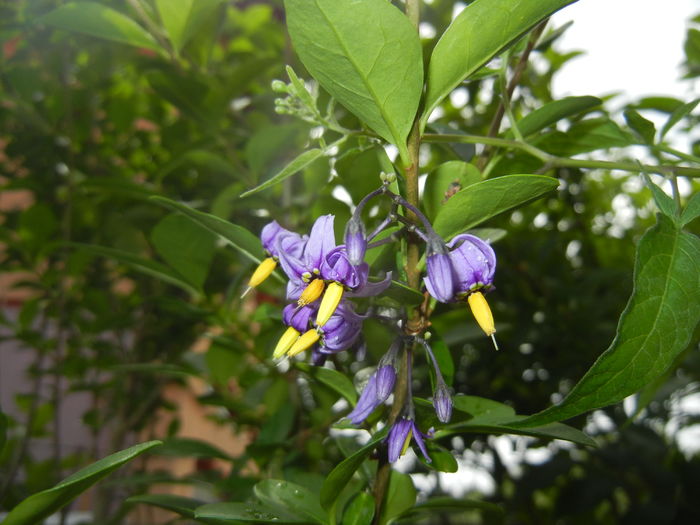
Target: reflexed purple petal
{"type": "Point", "coordinates": [386, 378]}
{"type": "Point", "coordinates": [298, 318]}
{"type": "Point", "coordinates": [317, 357]}
{"type": "Point", "coordinates": [294, 289]}
{"type": "Point", "coordinates": [321, 241]}
{"type": "Point", "coordinates": [355, 241]}
{"type": "Point", "coordinates": [367, 402]}
{"type": "Point", "coordinates": [336, 267]}
{"type": "Point", "coordinates": [292, 266]}
{"type": "Point", "coordinates": [442, 401]}
{"type": "Point", "coordinates": [397, 438]}
{"type": "Point", "coordinates": [440, 280]}
{"type": "Point", "coordinates": [418, 437]}
{"type": "Point", "coordinates": [342, 329]}
{"type": "Point", "coordinates": [268, 235]}
{"type": "Point", "coordinates": [370, 289]}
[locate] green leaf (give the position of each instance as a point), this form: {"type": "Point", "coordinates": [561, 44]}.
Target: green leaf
{"type": "Point", "coordinates": [446, 179]}
{"type": "Point", "coordinates": [657, 324]}
{"type": "Point", "coordinates": [284, 496]}
{"type": "Point", "coordinates": [238, 513]}
{"type": "Point", "coordinates": [480, 31]}
{"type": "Point", "coordinates": [584, 136]}
{"type": "Point", "coordinates": [42, 504]}
{"type": "Point", "coordinates": [295, 166]}
{"type": "Point", "coordinates": [677, 115]}
{"type": "Point", "coordinates": [375, 72]}
{"type": "Point", "coordinates": [483, 200]}
{"type": "Point", "coordinates": [189, 447]}
{"type": "Point", "coordinates": [237, 236]}
{"type": "Point", "coordinates": [482, 407]}
{"type": "Point", "coordinates": [441, 459]}
{"type": "Point", "coordinates": [643, 127]}
{"type": "Point", "coordinates": [404, 293]}
{"type": "Point", "coordinates": [182, 18]}
{"type": "Point", "coordinates": [445, 504]}
{"type": "Point", "coordinates": [666, 204]}
{"type": "Point", "coordinates": [340, 476]}
{"type": "Point", "coordinates": [332, 379]}
{"type": "Point", "coordinates": [691, 210]}
{"type": "Point", "coordinates": [179, 504]}
{"type": "Point", "coordinates": [141, 264]}
{"type": "Point", "coordinates": [101, 21]}
{"type": "Point", "coordinates": [360, 510]}
{"type": "Point", "coordinates": [555, 111]}
{"type": "Point", "coordinates": [400, 496]}
{"type": "Point", "coordinates": [185, 246]}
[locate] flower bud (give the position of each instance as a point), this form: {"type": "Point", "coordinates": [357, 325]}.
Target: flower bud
{"type": "Point", "coordinates": [440, 278]}
{"type": "Point", "coordinates": [442, 401]}
{"type": "Point", "coordinates": [355, 241]}
{"type": "Point", "coordinates": [386, 378]}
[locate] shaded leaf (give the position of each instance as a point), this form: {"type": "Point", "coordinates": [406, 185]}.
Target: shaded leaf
{"type": "Point", "coordinates": [655, 327]}
{"type": "Point", "coordinates": [360, 510]}
{"type": "Point", "coordinates": [445, 180]}
{"type": "Point", "coordinates": [483, 200]}
{"type": "Point", "coordinates": [643, 127]}
{"type": "Point", "coordinates": [178, 504]}
{"type": "Point", "coordinates": [182, 18]}
{"type": "Point", "coordinates": [332, 379]}
{"type": "Point", "coordinates": [553, 112]}
{"type": "Point", "coordinates": [284, 496]}
{"type": "Point", "coordinates": [480, 31]}
{"type": "Point", "coordinates": [677, 114]}
{"type": "Point", "coordinates": [691, 210]}
{"type": "Point", "coordinates": [189, 447]}
{"type": "Point", "coordinates": [445, 504]}
{"type": "Point", "coordinates": [400, 496]}
{"type": "Point", "coordinates": [38, 506]}
{"type": "Point", "coordinates": [666, 204]}
{"type": "Point", "coordinates": [239, 513]}
{"type": "Point", "coordinates": [376, 72]}
{"type": "Point", "coordinates": [98, 20]}
{"type": "Point", "coordinates": [295, 166]}
{"type": "Point", "coordinates": [584, 136]}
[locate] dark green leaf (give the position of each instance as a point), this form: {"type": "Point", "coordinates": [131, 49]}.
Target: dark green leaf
{"type": "Point", "coordinates": [181, 18]}
{"type": "Point", "coordinates": [377, 73]}
{"type": "Point", "coordinates": [400, 496]}
{"type": "Point", "coordinates": [237, 236]}
{"type": "Point", "coordinates": [555, 111]}
{"type": "Point", "coordinates": [185, 246]}
{"type": "Point", "coordinates": [434, 505]}
{"type": "Point", "coordinates": [343, 472]}
{"type": "Point", "coordinates": [655, 327]}
{"type": "Point", "coordinates": [677, 115]}
{"type": "Point", "coordinates": [332, 379]}
{"type": "Point", "coordinates": [178, 504]}
{"type": "Point", "coordinates": [482, 407]}
{"type": "Point", "coordinates": [239, 513]}
{"type": "Point", "coordinates": [479, 32]}
{"type": "Point", "coordinates": [483, 200]}
{"type": "Point", "coordinates": [189, 447]}
{"type": "Point", "coordinates": [141, 264]}
{"type": "Point", "coordinates": [584, 136]}
{"type": "Point", "coordinates": [101, 21]}
{"type": "Point", "coordinates": [284, 496]}
{"type": "Point", "coordinates": [643, 127]}
{"type": "Point", "coordinates": [295, 166]}
{"type": "Point", "coordinates": [445, 180]}
{"type": "Point", "coordinates": [42, 504]}
{"type": "Point", "coordinates": [666, 204]}
{"type": "Point", "coordinates": [360, 510]}
{"type": "Point", "coordinates": [403, 293]}
{"type": "Point", "coordinates": [441, 459]}
{"type": "Point", "coordinates": [691, 210]}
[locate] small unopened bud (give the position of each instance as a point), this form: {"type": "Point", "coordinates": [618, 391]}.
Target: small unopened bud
{"type": "Point", "coordinates": [442, 401]}
{"type": "Point", "coordinates": [355, 241]}
{"type": "Point", "coordinates": [386, 378]}
{"type": "Point", "coordinates": [440, 278]}
{"type": "Point", "coordinates": [278, 86]}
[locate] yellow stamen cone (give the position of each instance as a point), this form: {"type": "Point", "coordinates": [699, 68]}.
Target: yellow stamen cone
{"type": "Point", "coordinates": [482, 314]}
{"type": "Point", "coordinates": [304, 342]}
{"type": "Point", "coordinates": [407, 442]}
{"type": "Point", "coordinates": [261, 273]}
{"type": "Point", "coordinates": [312, 292]}
{"type": "Point", "coordinates": [331, 300]}
{"type": "Point", "coordinates": [285, 343]}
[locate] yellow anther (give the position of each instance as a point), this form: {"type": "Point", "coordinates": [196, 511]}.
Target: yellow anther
{"type": "Point", "coordinates": [330, 301]}
{"type": "Point", "coordinates": [304, 342]}
{"type": "Point", "coordinates": [262, 272]}
{"type": "Point", "coordinates": [482, 314]}
{"type": "Point", "coordinates": [312, 292]}
{"type": "Point", "coordinates": [285, 343]}
{"type": "Point", "coordinates": [407, 442]}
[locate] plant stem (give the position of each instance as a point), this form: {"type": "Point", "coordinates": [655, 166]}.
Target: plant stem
{"type": "Point", "coordinates": [563, 162]}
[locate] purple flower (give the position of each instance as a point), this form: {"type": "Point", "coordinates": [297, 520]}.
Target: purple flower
{"type": "Point", "coordinates": [469, 266]}
{"type": "Point", "coordinates": [341, 330]}
{"type": "Point", "coordinates": [376, 391]}
{"type": "Point", "coordinates": [400, 437]}
{"type": "Point", "coordinates": [337, 267]}
{"type": "Point", "coordinates": [442, 401]}
{"type": "Point", "coordinates": [298, 317]}
{"type": "Point", "coordinates": [276, 239]}
{"type": "Point", "coordinates": [306, 266]}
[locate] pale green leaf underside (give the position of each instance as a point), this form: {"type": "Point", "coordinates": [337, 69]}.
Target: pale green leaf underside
{"type": "Point", "coordinates": [480, 31]}
{"type": "Point", "coordinates": [92, 18]}
{"type": "Point", "coordinates": [655, 327]}
{"type": "Point", "coordinates": [366, 54]}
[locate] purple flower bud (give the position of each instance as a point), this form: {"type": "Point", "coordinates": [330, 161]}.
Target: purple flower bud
{"type": "Point", "coordinates": [439, 281]}
{"type": "Point", "coordinates": [355, 241]}
{"type": "Point", "coordinates": [399, 436]}
{"type": "Point", "coordinates": [386, 378]}
{"type": "Point", "coordinates": [367, 403]}
{"type": "Point", "coordinates": [442, 401]}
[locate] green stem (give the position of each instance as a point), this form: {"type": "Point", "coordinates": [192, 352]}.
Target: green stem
{"type": "Point", "coordinates": [563, 162]}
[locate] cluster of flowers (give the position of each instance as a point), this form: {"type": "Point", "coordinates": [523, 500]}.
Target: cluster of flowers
{"type": "Point", "coordinates": [323, 278]}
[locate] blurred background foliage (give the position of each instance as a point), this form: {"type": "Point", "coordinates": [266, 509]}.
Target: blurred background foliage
{"type": "Point", "coordinates": [120, 299]}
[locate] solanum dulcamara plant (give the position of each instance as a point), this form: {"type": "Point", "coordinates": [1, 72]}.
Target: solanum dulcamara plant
{"type": "Point", "coordinates": [322, 318]}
